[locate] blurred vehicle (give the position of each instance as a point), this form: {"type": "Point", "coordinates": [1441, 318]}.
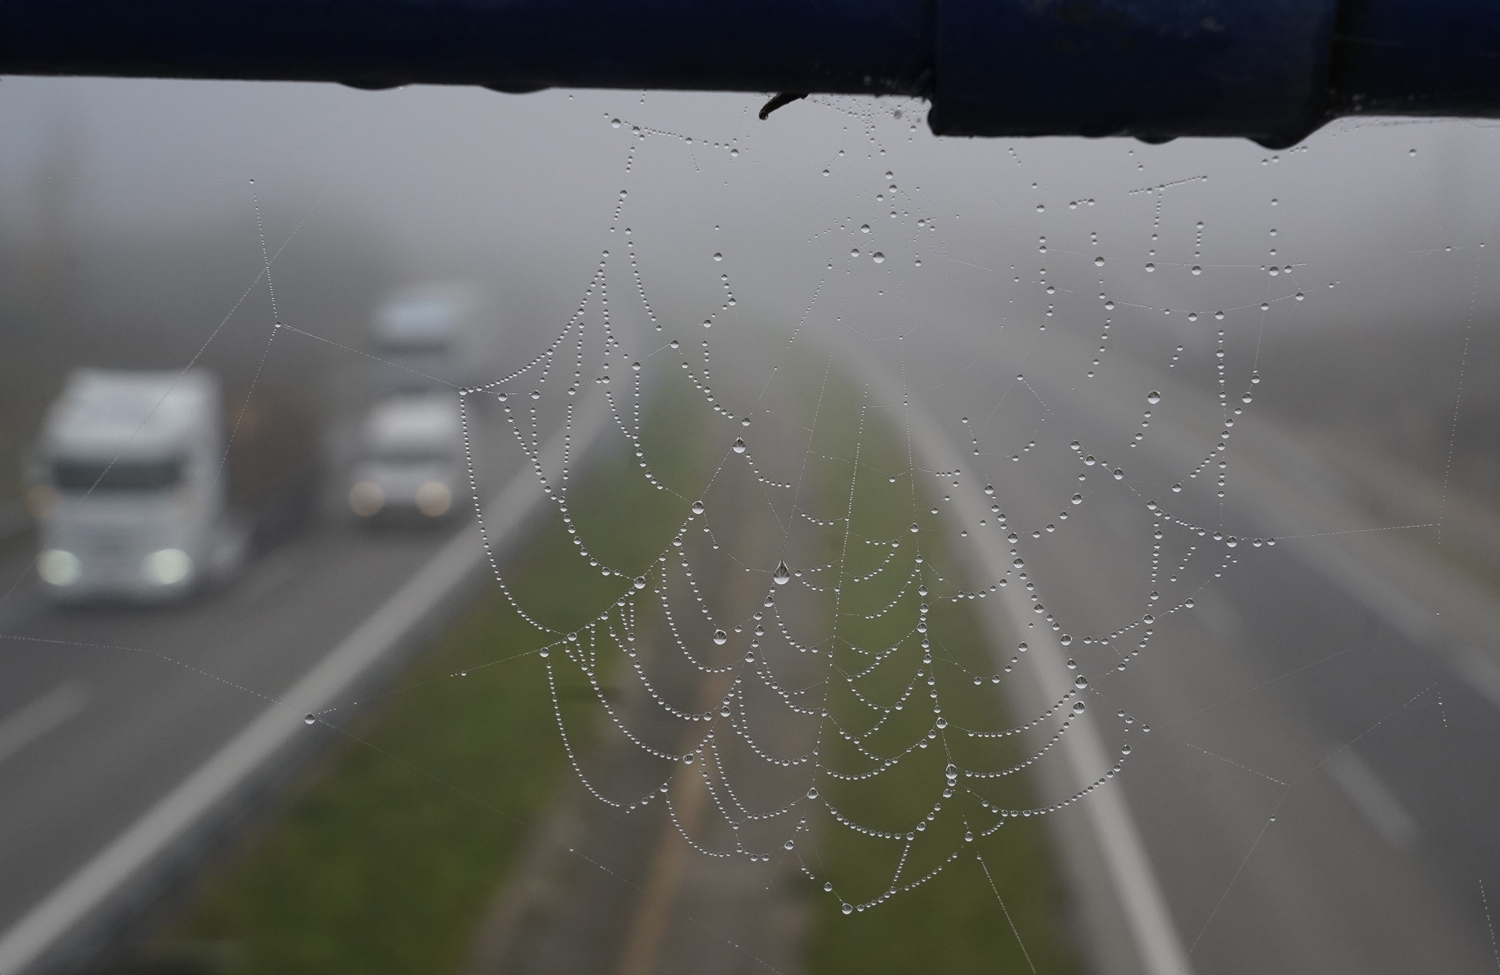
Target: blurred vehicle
{"type": "Point", "coordinates": [140, 496]}
{"type": "Point", "coordinates": [411, 460]}
{"type": "Point", "coordinates": [420, 338]}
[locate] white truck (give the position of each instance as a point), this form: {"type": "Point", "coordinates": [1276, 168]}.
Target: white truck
{"type": "Point", "coordinates": [128, 486]}
{"type": "Point", "coordinates": [411, 461]}
{"type": "Point", "coordinates": [421, 338]}
{"type": "Point", "coordinates": [138, 495]}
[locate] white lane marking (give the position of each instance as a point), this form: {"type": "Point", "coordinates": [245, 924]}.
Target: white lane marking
{"type": "Point", "coordinates": [48, 712]}
{"type": "Point", "coordinates": [1371, 797]}
{"type": "Point", "coordinates": [216, 779]}
{"type": "Point", "coordinates": [1136, 888]}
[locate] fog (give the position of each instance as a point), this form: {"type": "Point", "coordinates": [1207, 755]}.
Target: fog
{"type": "Point", "coordinates": [1007, 309]}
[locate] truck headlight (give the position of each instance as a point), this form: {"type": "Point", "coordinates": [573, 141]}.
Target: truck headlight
{"type": "Point", "coordinates": [167, 566]}
{"type": "Point", "coordinates": [58, 567]}
{"type": "Point", "coordinates": [433, 498]}
{"type": "Point", "coordinates": [366, 498]}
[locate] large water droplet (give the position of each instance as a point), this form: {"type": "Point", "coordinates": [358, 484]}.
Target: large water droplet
{"type": "Point", "coordinates": [720, 637]}
{"type": "Point", "coordinates": [739, 445]}
{"type": "Point", "coordinates": [854, 252]}
{"type": "Point", "coordinates": [718, 256]}
{"type": "Point", "coordinates": [1098, 262]}
{"type": "Point", "coordinates": [864, 228]}
{"type": "Point", "coordinates": [1080, 682]}
{"type": "Point", "coordinates": [781, 575]}
{"type": "Point", "coordinates": [1150, 268]}
{"type": "Point", "coordinates": [878, 257]}
{"type": "Point", "coordinates": [1153, 397]}
{"type": "Point", "coordinates": [310, 719]}
{"type": "Point", "coordinates": [1119, 474]}
{"type": "Point", "coordinates": [640, 582]}
{"type": "Point", "coordinates": [697, 507]}
{"type": "Point", "coordinates": [1197, 269]}
{"type": "Point", "coordinates": [914, 527]}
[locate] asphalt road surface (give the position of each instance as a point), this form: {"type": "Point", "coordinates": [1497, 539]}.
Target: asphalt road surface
{"type": "Point", "coordinates": [1321, 782]}
{"type": "Point", "coordinates": [106, 710]}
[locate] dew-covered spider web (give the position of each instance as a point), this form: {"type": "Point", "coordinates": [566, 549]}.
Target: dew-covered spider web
{"type": "Point", "coordinates": [907, 403]}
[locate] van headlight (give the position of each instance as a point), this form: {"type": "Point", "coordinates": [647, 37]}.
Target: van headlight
{"type": "Point", "coordinates": [366, 498]}
{"type": "Point", "coordinates": [434, 498]}
{"type": "Point", "coordinates": [167, 566]}
{"type": "Point", "coordinates": [58, 567]}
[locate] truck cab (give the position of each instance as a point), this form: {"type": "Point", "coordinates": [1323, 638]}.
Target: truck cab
{"type": "Point", "coordinates": [411, 461]}
{"type": "Point", "coordinates": [128, 486]}
{"type": "Point", "coordinates": [419, 339]}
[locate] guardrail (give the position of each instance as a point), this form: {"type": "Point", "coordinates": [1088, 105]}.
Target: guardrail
{"type": "Point", "coordinates": [1271, 70]}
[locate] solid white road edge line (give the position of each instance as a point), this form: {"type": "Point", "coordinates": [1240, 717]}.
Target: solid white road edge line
{"type": "Point", "coordinates": [217, 778]}
{"type": "Point", "coordinates": [1136, 888]}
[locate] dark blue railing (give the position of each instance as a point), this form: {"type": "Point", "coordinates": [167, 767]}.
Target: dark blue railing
{"type": "Point", "coordinates": [1271, 70]}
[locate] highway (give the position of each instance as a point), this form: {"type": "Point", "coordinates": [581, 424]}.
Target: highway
{"type": "Point", "coordinates": [1318, 789]}
{"type": "Point", "coordinates": [130, 738]}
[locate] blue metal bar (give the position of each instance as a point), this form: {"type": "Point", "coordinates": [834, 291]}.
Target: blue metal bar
{"type": "Point", "coordinates": [1272, 70]}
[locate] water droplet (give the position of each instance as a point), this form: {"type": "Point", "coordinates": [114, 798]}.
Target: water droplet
{"type": "Point", "coordinates": [310, 719]}
{"type": "Point", "coordinates": [1079, 707]}
{"type": "Point", "coordinates": [1150, 267]}
{"type": "Point", "coordinates": [914, 527]}
{"type": "Point", "coordinates": [1065, 640]}
{"type": "Point", "coordinates": [1119, 474]}
{"type": "Point", "coordinates": [788, 844]}
{"type": "Point", "coordinates": [1197, 269]}
{"type": "Point", "coordinates": [1078, 499]}
{"type": "Point", "coordinates": [614, 123]}
{"type": "Point", "coordinates": [1231, 541]}
{"type": "Point", "coordinates": [864, 228]}
{"type": "Point", "coordinates": [878, 257]}
{"type": "Point", "coordinates": [718, 256]}
{"type": "Point", "coordinates": [847, 908]}
{"type": "Point", "coordinates": [1246, 398]}
{"type": "Point", "coordinates": [697, 507]}
{"type": "Point", "coordinates": [640, 582]}
{"type": "Point", "coordinates": [1153, 397]}
{"type": "Point", "coordinates": [854, 252]}
{"type": "Point", "coordinates": [1080, 682]}
{"type": "Point", "coordinates": [739, 445]}
{"type": "Point", "coordinates": [781, 575]}
{"type": "Point", "coordinates": [720, 637]}
{"type": "Point", "coordinates": [1098, 262]}
{"type": "Point", "coordinates": [1188, 603]}
{"type": "Point", "coordinates": [1040, 208]}
{"type": "Point", "coordinates": [536, 394]}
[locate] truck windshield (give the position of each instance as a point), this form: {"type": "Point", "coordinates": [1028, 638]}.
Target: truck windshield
{"type": "Point", "coordinates": [75, 474]}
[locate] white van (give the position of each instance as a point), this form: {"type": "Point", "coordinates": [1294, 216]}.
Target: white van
{"type": "Point", "coordinates": [129, 489]}
{"type": "Point", "coordinates": [411, 458]}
